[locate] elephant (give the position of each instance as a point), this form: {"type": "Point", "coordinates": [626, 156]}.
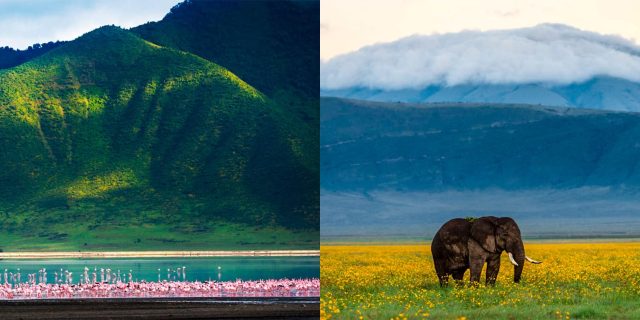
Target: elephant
{"type": "Point", "coordinates": [463, 244]}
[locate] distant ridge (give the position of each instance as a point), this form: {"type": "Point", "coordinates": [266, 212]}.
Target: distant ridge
{"type": "Point", "coordinates": [10, 57]}
{"type": "Point", "coordinates": [443, 146]}
{"type": "Point", "coordinates": [598, 93]}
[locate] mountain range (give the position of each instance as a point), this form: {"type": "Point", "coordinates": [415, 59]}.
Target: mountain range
{"type": "Point", "coordinates": [408, 167]}
{"type": "Point", "coordinates": [604, 93]}
{"type": "Point", "coordinates": [197, 131]}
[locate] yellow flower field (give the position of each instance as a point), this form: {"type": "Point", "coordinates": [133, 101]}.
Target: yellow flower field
{"type": "Point", "coordinates": [575, 281]}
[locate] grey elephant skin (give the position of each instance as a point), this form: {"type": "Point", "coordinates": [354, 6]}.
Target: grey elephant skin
{"type": "Point", "coordinates": [463, 244]}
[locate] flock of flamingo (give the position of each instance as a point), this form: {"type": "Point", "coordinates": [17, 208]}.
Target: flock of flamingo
{"type": "Point", "coordinates": [124, 285]}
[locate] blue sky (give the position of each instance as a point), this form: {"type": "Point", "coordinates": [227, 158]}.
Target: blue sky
{"type": "Point", "coordinates": [24, 22]}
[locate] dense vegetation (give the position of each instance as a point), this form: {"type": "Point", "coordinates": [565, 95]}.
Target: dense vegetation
{"type": "Point", "coordinates": [273, 45]}
{"type": "Point", "coordinates": [111, 141]}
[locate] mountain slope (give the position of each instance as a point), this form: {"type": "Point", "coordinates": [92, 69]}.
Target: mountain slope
{"type": "Point", "coordinates": [274, 45]}
{"type": "Point", "coordinates": [367, 145]}
{"type": "Point", "coordinates": [110, 130]}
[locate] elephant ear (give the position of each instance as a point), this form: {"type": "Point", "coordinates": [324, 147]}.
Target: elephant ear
{"type": "Point", "coordinates": [483, 231]}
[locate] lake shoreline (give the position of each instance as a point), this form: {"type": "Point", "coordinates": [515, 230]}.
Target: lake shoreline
{"type": "Point", "coordinates": [159, 254]}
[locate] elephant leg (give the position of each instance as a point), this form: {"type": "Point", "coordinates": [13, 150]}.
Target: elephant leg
{"type": "Point", "coordinates": [493, 267]}
{"type": "Point", "coordinates": [441, 271]}
{"type": "Point", "coordinates": [476, 264]}
{"type": "Point", "coordinates": [458, 275]}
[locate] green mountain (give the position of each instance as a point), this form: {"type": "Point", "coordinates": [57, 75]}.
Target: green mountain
{"type": "Point", "coordinates": [274, 45]}
{"type": "Point", "coordinates": [111, 141]}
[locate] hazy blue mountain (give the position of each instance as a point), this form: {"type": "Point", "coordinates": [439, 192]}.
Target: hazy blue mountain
{"type": "Point", "coordinates": [399, 168]}
{"type": "Point", "coordinates": [366, 145]}
{"type": "Point", "coordinates": [605, 93]}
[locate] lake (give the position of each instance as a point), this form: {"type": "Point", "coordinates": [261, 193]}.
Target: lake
{"type": "Point", "coordinates": [197, 269]}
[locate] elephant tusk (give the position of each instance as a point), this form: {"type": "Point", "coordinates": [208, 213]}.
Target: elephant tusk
{"type": "Point", "coordinates": [532, 261]}
{"type": "Point", "coordinates": [512, 260]}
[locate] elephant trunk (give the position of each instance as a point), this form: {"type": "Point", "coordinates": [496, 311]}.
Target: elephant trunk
{"type": "Point", "coordinates": [516, 249]}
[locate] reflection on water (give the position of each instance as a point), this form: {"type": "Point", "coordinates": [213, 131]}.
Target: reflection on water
{"type": "Point", "coordinates": [154, 269]}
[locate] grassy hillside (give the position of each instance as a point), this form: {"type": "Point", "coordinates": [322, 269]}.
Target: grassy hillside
{"type": "Point", "coordinates": [111, 140]}
{"type": "Point", "coordinates": [273, 45]}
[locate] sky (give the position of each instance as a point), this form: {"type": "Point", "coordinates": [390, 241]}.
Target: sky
{"type": "Point", "coordinates": [25, 22]}
{"type": "Point", "coordinates": [346, 26]}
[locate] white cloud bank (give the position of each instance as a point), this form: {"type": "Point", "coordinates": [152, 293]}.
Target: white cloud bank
{"type": "Point", "coordinates": [547, 53]}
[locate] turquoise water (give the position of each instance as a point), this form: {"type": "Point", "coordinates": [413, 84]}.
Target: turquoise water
{"type": "Point", "coordinates": [201, 269]}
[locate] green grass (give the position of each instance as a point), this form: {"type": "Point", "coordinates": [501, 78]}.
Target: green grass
{"type": "Point", "coordinates": [140, 237]}
{"type": "Point", "coordinates": [609, 306]}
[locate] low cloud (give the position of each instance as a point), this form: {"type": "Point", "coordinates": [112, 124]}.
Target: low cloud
{"type": "Point", "coordinates": [552, 54]}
